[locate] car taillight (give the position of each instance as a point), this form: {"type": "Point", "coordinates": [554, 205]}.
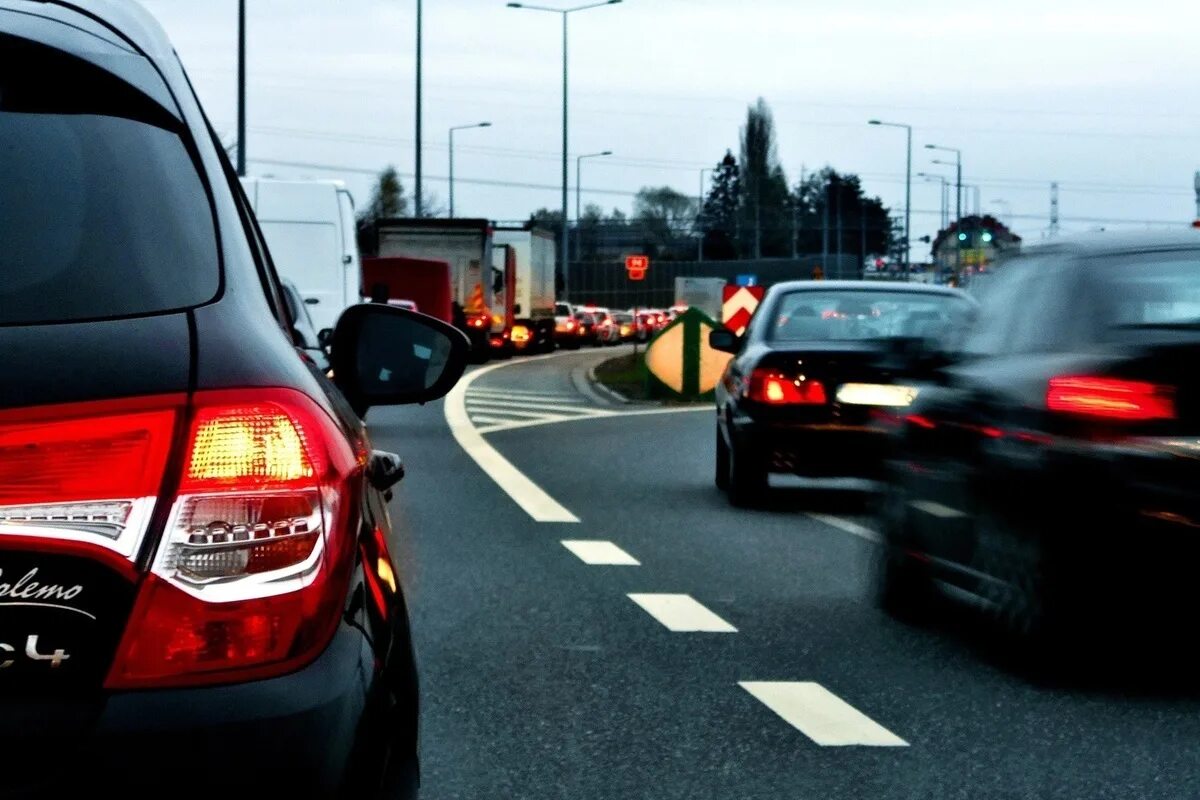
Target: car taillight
{"type": "Point", "coordinates": [777, 389]}
{"type": "Point", "coordinates": [252, 569]}
{"type": "Point", "coordinates": [86, 473]}
{"type": "Point", "coordinates": [1110, 398]}
{"type": "Point", "coordinates": [569, 325]}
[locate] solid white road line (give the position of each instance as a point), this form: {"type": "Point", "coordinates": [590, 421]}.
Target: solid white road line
{"type": "Point", "coordinates": [504, 411]}
{"type": "Point", "coordinates": [821, 715]}
{"type": "Point", "coordinates": [681, 613]}
{"type": "Point", "coordinates": [516, 406]}
{"type": "Point", "coordinates": [937, 509]}
{"type": "Point", "coordinates": [524, 492]}
{"type": "Point", "coordinates": [850, 527]}
{"type": "Point", "coordinates": [575, 418]}
{"type": "Point", "coordinates": [600, 553]}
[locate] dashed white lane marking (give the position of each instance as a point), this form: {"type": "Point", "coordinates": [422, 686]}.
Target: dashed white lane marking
{"type": "Point", "coordinates": [849, 526]}
{"type": "Point", "coordinates": [937, 509]}
{"type": "Point", "coordinates": [681, 613]}
{"type": "Point", "coordinates": [524, 492]}
{"type": "Point", "coordinates": [821, 715]}
{"type": "Point", "coordinates": [599, 553]}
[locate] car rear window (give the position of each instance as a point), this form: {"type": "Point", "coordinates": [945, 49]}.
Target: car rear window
{"type": "Point", "coordinates": [104, 213]}
{"type": "Point", "coordinates": [866, 314]}
{"type": "Point", "coordinates": [1148, 290]}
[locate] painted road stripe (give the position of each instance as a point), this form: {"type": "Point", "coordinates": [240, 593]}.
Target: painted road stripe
{"type": "Point", "coordinates": [937, 509]}
{"type": "Point", "coordinates": [577, 417]}
{"type": "Point", "coordinates": [850, 527]}
{"type": "Point", "coordinates": [600, 553]}
{"type": "Point", "coordinates": [524, 492]}
{"type": "Point", "coordinates": [550, 398]}
{"type": "Point", "coordinates": [681, 613]}
{"type": "Point", "coordinates": [519, 404]}
{"type": "Point", "coordinates": [821, 715]}
{"type": "Point", "coordinates": [505, 411]}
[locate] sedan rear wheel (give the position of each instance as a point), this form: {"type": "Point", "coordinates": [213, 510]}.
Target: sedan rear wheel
{"type": "Point", "coordinates": [722, 476]}
{"type": "Point", "coordinates": [747, 476]}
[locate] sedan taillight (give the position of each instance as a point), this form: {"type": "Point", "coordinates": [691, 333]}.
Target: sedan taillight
{"type": "Point", "coordinates": [252, 569]}
{"type": "Point", "coordinates": [1110, 398]}
{"type": "Point", "coordinates": [776, 389]}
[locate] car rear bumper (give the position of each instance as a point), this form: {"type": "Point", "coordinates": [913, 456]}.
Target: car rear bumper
{"type": "Point", "coordinates": [815, 450]}
{"type": "Point", "coordinates": [294, 732]}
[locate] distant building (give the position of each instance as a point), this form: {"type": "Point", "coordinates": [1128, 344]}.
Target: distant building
{"type": "Point", "coordinates": [973, 244]}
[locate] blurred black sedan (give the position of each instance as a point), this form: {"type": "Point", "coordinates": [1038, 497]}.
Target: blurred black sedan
{"type": "Point", "coordinates": [819, 360]}
{"type": "Point", "coordinates": [1054, 476]}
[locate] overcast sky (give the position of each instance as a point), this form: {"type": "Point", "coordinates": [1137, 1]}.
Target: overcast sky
{"type": "Point", "coordinates": [1097, 94]}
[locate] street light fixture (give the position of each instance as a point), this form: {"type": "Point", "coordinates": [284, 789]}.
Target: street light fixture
{"type": "Point", "coordinates": [578, 193]}
{"type": "Point", "coordinates": [452, 130]}
{"type": "Point", "coordinates": [565, 12]}
{"type": "Point", "coordinates": [907, 193]}
{"type": "Point", "coordinates": [958, 168]}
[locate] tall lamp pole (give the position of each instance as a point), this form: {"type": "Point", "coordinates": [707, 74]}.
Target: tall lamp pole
{"type": "Point", "coordinates": [928, 176]}
{"type": "Point", "coordinates": [578, 192]}
{"type": "Point", "coordinates": [958, 170]}
{"type": "Point", "coordinates": [907, 193]}
{"type": "Point", "coordinates": [700, 212]}
{"type": "Point", "coordinates": [241, 101]}
{"type": "Point", "coordinates": [417, 205]}
{"type": "Point", "coordinates": [452, 130]}
{"type": "Point", "coordinates": [565, 12]}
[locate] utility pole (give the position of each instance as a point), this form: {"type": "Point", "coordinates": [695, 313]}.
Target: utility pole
{"type": "Point", "coordinates": [1197, 195]}
{"type": "Point", "coordinates": [838, 212]}
{"type": "Point", "coordinates": [825, 228]}
{"type": "Point", "coordinates": [700, 216]}
{"type": "Point", "coordinates": [241, 109]}
{"type": "Point", "coordinates": [1054, 205]}
{"type": "Point", "coordinates": [417, 206]}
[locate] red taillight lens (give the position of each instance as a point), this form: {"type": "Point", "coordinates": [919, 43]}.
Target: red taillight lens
{"type": "Point", "coordinates": [253, 565]}
{"type": "Point", "coordinates": [86, 472]}
{"type": "Point", "coordinates": [1110, 398]}
{"type": "Point", "coordinates": [777, 389]}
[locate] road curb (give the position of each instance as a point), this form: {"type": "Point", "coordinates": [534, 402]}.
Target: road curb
{"type": "Point", "coordinates": [595, 387]}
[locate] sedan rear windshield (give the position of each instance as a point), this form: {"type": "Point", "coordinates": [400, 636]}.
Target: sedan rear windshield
{"type": "Point", "coordinates": [104, 213]}
{"type": "Point", "coordinates": [1154, 290]}
{"type": "Point", "coordinates": [859, 315]}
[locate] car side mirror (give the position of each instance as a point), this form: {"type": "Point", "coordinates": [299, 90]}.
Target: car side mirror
{"type": "Point", "coordinates": [724, 340]}
{"type": "Point", "coordinates": [325, 338]}
{"type": "Point", "coordinates": [384, 355]}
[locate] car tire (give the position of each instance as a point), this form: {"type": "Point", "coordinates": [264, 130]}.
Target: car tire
{"type": "Point", "coordinates": [747, 476]}
{"type": "Point", "coordinates": [722, 471]}
{"type": "Point", "coordinates": [903, 586]}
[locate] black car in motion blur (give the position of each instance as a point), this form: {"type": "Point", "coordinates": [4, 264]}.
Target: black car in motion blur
{"type": "Point", "coordinates": [196, 591]}
{"type": "Point", "coordinates": [1053, 475]}
{"type": "Point", "coordinates": [819, 360]}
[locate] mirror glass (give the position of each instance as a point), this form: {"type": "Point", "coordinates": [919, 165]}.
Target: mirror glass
{"type": "Point", "coordinates": [400, 355]}
{"type": "Point", "coordinates": [720, 339]}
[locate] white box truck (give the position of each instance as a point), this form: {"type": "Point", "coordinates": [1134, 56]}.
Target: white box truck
{"type": "Point", "coordinates": [310, 230]}
{"type": "Point", "coordinates": [533, 307]}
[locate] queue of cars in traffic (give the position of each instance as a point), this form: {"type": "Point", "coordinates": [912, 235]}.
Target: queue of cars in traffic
{"type": "Point", "coordinates": [1037, 442]}
{"type": "Point", "coordinates": [595, 326]}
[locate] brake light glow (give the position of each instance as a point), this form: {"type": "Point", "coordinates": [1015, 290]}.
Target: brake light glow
{"type": "Point", "coordinates": [1110, 398]}
{"type": "Point", "coordinates": [254, 563]}
{"type": "Point", "coordinates": [85, 473]}
{"type": "Point", "coordinates": [774, 388]}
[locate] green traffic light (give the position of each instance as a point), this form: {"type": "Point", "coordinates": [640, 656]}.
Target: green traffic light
{"type": "Point", "coordinates": [987, 236]}
{"type": "Point", "coordinates": [962, 237]}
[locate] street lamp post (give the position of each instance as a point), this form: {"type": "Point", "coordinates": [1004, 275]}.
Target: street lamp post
{"type": "Point", "coordinates": [565, 12]}
{"type": "Point", "coordinates": [907, 194]}
{"type": "Point", "coordinates": [700, 212]}
{"type": "Point", "coordinates": [452, 130]}
{"type": "Point", "coordinates": [958, 169]}
{"type": "Point", "coordinates": [417, 204]}
{"type": "Point", "coordinates": [241, 99]}
{"type": "Point", "coordinates": [579, 193]}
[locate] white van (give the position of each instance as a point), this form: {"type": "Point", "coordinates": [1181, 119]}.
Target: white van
{"type": "Point", "coordinates": [310, 229]}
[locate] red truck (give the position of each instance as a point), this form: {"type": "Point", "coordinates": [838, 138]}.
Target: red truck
{"type": "Point", "coordinates": [424, 281]}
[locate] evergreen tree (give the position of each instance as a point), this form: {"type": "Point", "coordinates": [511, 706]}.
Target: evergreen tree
{"type": "Point", "coordinates": [765, 208]}
{"type": "Point", "coordinates": [718, 220]}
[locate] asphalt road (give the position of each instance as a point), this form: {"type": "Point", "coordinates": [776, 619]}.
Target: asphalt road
{"type": "Point", "coordinates": [542, 678]}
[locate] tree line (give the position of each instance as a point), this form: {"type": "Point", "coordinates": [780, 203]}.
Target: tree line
{"type": "Point", "coordinates": [749, 210]}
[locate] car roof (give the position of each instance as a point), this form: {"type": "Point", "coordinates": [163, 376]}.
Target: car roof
{"type": "Point", "coordinates": [1102, 243]}
{"type": "Point", "coordinates": [852, 286]}
{"type": "Point", "coordinates": [126, 17]}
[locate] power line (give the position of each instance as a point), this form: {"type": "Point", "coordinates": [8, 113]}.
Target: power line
{"type": "Point", "coordinates": [626, 193]}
